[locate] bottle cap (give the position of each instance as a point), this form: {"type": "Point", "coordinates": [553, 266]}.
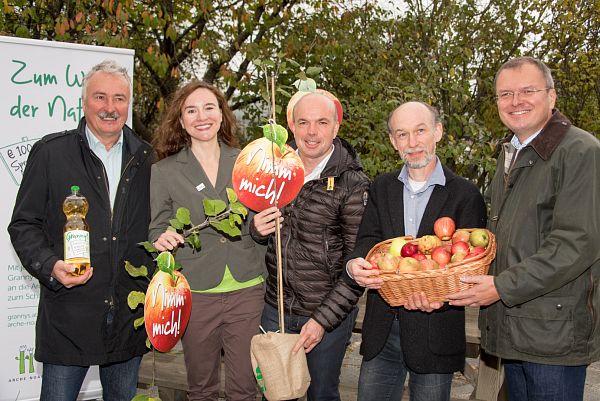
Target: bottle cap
{"type": "Point", "coordinates": [74, 188]}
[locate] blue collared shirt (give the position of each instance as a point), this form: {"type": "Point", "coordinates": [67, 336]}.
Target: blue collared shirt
{"type": "Point", "coordinates": [415, 202]}
{"type": "Point", "coordinates": [112, 160]}
{"type": "Point", "coordinates": [518, 145]}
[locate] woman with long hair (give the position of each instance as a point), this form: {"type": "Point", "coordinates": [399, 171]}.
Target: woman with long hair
{"type": "Point", "coordinates": [197, 146]}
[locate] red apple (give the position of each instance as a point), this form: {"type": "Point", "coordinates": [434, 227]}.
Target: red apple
{"type": "Point", "coordinates": [408, 265]}
{"type": "Point", "coordinates": [409, 249]}
{"type": "Point", "coordinates": [476, 250]}
{"type": "Point", "coordinates": [440, 255]}
{"type": "Point", "coordinates": [479, 237]}
{"type": "Point", "coordinates": [460, 247]}
{"type": "Point", "coordinates": [167, 309]}
{"type": "Point", "coordinates": [257, 184]}
{"type": "Point", "coordinates": [374, 260]}
{"type": "Point", "coordinates": [444, 228]}
{"type": "Point", "coordinates": [419, 256]}
{"type": "Point", "coordinates": [427, 242]}
{"type": "Point", "coordinates": [461, 235]}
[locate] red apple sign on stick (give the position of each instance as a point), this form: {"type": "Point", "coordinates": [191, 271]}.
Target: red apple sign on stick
{"type": "Point", "coordinates": [259, 181]}
{"type": "Point", "coordinates": [167, 307]}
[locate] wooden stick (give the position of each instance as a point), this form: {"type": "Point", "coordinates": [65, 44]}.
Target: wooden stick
{"type": "Point", "coordinates": [280, 307]}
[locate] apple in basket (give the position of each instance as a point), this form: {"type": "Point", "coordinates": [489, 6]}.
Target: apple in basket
{"type": "Point", "coordinates": [408, 265]}
{"type": "Point", "coordinates": [409, 249]}
{"type": "Point", "coordinates": [419, 256]}
{"type": "Point", "coordinates": [460, 247]}
{"type": "Point", "coordinates": [429, 264]}
{"type": "Point", "coordinates": [374, 260]}
{"type": "Point", "coordinates": [444, 228]}
{"type": "Point", "coordinates": [396, 246]}
{"type": "Point", "coordinates": [427, 242]}
{"type": "Point", "coordinates": [441, 256]}
{"type": "Point", "coordinates": [479, 237]}
{"type": "Point", "coordinates": [458, 257]}
{"type": "Point", "coordinates": [476, 250]}
{"type": "Point", "coordinates": [388, 263]}
{"type": "Point", "coordinates": [461, 235]}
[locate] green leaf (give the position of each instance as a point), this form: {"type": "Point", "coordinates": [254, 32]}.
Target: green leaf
{"type": "Point", "coordinates": [231, 195]}
{"type": "Point", "coordinates": [137, 323]}
{"type": "Point", "coordinates": [224, 227]}
{"type": "Point", "coordinates": [307, 85]}
{"type": "Point", "coordinates": [213, 207]}
{"type": "Point", "coordinates": [284, 92]}
{"type": "Point", "coordinates": [133, 271]}
{"type": "Point", "coordinates": [301, 76]}
{"type": "Point", "coordinates": [148, 343]}
{"type": "Point", "coordinates": [239, 208]}
{"type": "Point", "coordinates": [312, 71]}
{"type": "Point", "coordinates": [148, 246]}
{"type": "Point", "coordinates": [176, 224]}
{"type": "Point", "coordinates": [276, 133]}
{"type": "Point", "coordinates": [183, 215]}
{"type": "Point", "coordinates": [235, 219]}
{"type": "Point", "coordinates": [135, 298]}
{"type": "Point", "coordinates": [293, 62]}
{"type": "Point", "coordinates": [194, 241]}
{"type": "Point", "coordinates": [165, 262]}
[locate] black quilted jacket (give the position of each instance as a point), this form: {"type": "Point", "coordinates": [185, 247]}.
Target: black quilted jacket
{"type": "Point", "coordinates": [318, 233]}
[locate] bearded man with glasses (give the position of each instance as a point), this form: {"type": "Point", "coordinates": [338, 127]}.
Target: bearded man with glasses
{"type": "Point", "coordinates": [540, 303]}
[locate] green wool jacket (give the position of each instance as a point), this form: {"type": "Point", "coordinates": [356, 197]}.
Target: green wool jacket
{"type": "Point", "coordinates": [546, 216]}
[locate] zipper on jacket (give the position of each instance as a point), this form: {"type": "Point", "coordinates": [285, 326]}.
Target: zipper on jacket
{"type": "Point", "coordinates": [105, 184]}
{"type": "Point", "coordinates": [284, 261]}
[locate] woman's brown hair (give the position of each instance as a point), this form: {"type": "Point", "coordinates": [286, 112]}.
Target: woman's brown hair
{"type": "Point", "coordinates": [170, 136]}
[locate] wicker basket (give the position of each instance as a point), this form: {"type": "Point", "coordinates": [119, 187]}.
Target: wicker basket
{"type": "Point", "coordinates": [436, 284]}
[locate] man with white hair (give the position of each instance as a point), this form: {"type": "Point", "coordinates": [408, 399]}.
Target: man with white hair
{"type": "Point", "coordinates": [84, 320]}
{"type": "Point", "coordinates": [423, 340]}
{"type": "Point", "coordinates": [318, 230]}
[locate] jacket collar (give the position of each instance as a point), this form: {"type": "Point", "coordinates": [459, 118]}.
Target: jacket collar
{"type": "Point", "coordinates": [194, 172]}
{"type": "Point", "coordinates": [131, 142]}
{"type": "Point", "coordinates": [344, 158]}
{"type": "Point", "coordinates": [550, 137]}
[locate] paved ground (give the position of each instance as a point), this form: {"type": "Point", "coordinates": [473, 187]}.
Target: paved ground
{"type": "Point", "coordinates": [462, 388]}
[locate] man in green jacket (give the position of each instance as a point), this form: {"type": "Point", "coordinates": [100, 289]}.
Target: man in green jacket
{"type": "Point", "coordinates": [543, 288]}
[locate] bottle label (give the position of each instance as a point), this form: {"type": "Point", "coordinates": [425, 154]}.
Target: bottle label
{"type": "Point", "coordinates": [77, 244]}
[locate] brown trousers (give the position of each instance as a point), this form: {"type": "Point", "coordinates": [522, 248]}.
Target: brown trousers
{"type": "Point", "coordinates": [227, 322]}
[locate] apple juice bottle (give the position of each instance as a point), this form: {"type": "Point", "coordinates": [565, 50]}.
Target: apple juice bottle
{"type": "Point", "coordinates": [76, 232]}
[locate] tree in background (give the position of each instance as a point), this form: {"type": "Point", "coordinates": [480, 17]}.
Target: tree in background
{"type": "Point", "coordinates": [372, 55]}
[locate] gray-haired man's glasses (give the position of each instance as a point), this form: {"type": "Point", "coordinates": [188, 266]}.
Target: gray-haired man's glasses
{"type": "Point", "coordinates": [508, 96]}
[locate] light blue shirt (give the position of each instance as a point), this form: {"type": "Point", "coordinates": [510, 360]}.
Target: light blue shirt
{"type": "Point", "coordinates": [112, 160]}
{"type": "Point", "coordinates": [518, 145]}
{"type": "Point", "coordinates": [415, 202]}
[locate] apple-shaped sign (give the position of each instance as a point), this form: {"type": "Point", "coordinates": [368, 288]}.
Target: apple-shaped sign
{"type": "Point", "coordinates": [167, 309]}
{"type": "Point", "coordinates": [259, 181]}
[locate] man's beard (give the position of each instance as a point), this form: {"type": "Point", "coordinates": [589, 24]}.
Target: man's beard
{"type": "Point", "coordinates": [420, 163]}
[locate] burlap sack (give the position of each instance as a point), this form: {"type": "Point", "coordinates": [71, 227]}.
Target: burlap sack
{"type": "Point", "coordinates": [280, 374]}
